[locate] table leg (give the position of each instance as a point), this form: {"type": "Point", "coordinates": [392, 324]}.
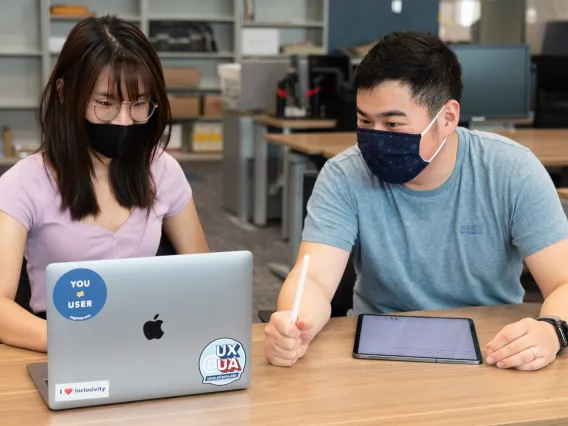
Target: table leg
{"type": "Point", "coordinates": [285, 191]}
{"type": "Point", "coordinates": [245, 153]}
{"type": "Point", "coordinates": [260, 175]}
{"type": "Point", "coordinates": [279, 270]}
{"type": "Point", "coordinates": [298, 166]}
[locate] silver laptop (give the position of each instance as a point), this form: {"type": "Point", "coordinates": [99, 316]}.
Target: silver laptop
{"type": "Point", "coordinates": [134, 329]}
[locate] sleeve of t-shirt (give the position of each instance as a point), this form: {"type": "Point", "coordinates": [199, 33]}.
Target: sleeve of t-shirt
{"type": "Point", "coordinates": [19, 193]}
{"type": "Point", "coordinates": [331, 214]}
{"type": "Point", "coordinates": [538, 219]}
{"type": "Point", "coordinates": [176, 190]}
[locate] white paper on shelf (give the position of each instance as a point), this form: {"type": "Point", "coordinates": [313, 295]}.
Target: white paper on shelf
{"type": "Point", "coordinates": [260, 41]}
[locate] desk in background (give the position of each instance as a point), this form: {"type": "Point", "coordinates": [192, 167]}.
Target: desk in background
{"type": "Point", "coordinates": [261, 124]}
{"type": "Point", "coordinates": [261, 187]}
{"type": "Point", "coordinates": [237, 164]}
{"type": "Point", "coordinates": [549, 145]}
{"type": "Point", "coordinates": [300, 147]}
{"type": "Point", "coordinates": [329, 386]}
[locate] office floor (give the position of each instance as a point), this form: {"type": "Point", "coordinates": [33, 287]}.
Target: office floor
{"type": "Point", "coordinates": [223, 235]}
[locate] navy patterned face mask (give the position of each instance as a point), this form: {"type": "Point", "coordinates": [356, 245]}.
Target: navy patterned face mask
{"type": "Point", "coordinates": [392, 156]}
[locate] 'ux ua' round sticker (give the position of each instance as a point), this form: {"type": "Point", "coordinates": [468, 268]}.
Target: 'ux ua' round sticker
{"type": "Point", "coordinates": [79, 294]}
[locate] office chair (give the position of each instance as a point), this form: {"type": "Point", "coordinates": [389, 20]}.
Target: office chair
{"type": "Point", "coordinates": [343, 299]}
{"type": "Point", "coordinates": [346, 109]}
{"type": "Point", "coordinates": [24, 294]}
{"type": "Point", "coordinates": [555, 36]}
{"type": "Point", "coordinates": [551, 92]}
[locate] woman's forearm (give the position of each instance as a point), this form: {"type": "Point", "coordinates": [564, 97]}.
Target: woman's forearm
{"type": "Point", "coordinates": [20, 328]}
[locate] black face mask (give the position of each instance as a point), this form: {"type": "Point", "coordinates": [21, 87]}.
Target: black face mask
{"type": "Point", "coordinates": [113, 140]}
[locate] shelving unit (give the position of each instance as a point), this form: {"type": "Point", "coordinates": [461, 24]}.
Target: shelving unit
{"type": "Point", "coordinates": [26, 26]}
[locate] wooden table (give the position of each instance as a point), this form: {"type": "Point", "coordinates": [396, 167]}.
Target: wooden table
{"type": "Point", "coordinates": [330, 387]}
{"type": "Point", "coordinates": [549, 145]}
{"type": "Point", "coordinates": [313, 143]}
{"type": "Point", "coordinates": [294, 123]}
{"type": "Point", "coordinates": [563, 194]}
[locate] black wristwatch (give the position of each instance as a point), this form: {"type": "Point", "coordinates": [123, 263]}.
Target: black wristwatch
{"type": "Point", "coordinates": [561, 328]}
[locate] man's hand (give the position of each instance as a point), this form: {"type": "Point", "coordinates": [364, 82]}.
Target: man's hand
{"type": "Point", "coordinates": [525, 345]}
{"type": "Point", "coordinates": [284, 342]}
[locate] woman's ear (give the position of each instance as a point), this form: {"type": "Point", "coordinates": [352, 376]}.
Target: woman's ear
{"type": "Point", "coordinates": [59, 87]}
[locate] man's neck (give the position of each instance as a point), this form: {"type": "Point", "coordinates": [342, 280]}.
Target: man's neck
{"type": "Point", "coordinates": [440, 169]}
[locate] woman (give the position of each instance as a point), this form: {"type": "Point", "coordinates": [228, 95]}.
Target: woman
{"type": "Point", "coordinates": [101, 186]}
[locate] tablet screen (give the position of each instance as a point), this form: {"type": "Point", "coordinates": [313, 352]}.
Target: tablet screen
{"type": "Point", "coordinates": [418, 337]}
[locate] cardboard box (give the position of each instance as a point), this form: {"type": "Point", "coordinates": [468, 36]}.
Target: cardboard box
{"type": "Point", "coordinates": [212, 106]}
{"type": "Point", "coordinates": [181, 77]}
{"type": "Point", "coordinates": [184, 106]}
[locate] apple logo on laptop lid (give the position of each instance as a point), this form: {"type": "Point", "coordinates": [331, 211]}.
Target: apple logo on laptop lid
{"type": "Point", "coordinates": [153, 329]}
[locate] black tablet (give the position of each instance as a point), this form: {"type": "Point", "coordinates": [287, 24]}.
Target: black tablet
{"type": "Point", "coordinates": [409, 338]}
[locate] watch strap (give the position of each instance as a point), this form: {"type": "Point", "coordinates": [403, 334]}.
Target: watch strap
{"type": "Point", "coordinates": [561, 329]}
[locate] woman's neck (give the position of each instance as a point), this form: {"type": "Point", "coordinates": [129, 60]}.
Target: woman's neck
{"type": "Point", "coordinates": [101, 165]}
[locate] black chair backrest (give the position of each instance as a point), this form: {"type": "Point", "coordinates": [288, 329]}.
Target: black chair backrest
{"type": "Point", "coordinates": [346, 109]}
{"type": "Point", "coordinates": [343, 299]}
{"type": "Point", "coordinates": [551, 92]}
{"type": "Point", "coordinates": [24, 293]}
{"type": "Point", "coordinates": [554, 40]}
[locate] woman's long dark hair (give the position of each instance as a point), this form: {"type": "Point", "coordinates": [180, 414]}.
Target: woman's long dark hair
{"type": "Point", "coordinates": [92, 45]}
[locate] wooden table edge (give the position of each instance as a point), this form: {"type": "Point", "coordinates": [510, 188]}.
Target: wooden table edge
{"type": "Point", "coordinates": [292, 123]}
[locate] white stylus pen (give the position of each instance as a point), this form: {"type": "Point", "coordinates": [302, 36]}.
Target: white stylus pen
{"type": "Point", "coordinates": [300, 289]}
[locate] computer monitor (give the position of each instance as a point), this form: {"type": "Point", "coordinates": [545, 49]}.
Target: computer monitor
{"type": "Point", "coordinates": [496, 81]}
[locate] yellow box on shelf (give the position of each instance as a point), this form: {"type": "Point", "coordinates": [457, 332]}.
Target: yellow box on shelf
{"type": "Point", "coordinates": [207, 137]}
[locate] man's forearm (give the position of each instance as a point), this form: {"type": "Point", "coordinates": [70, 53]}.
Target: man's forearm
{"type": "Point", "coordinates": [556, 304]}
{"type": "Point", "coordinates": [315, 307]}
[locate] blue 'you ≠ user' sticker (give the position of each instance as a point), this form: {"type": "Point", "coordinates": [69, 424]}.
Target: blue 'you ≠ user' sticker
{"type": "Point", "coordinates": [79, 294]}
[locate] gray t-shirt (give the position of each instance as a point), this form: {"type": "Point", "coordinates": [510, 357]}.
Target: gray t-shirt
{"type": "Point", "coordinates": [461, 244]}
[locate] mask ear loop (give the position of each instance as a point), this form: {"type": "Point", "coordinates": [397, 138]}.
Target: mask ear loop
{"type": "Point", "coordinates": [437, 151]}
{"type": "Point", "coordinates": [432, 122]}
{"type": "Point", "coordinates": [428, 128]}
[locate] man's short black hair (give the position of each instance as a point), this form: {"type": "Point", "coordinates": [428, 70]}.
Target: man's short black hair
{"type": "Point", "coordinates": [423, 62]}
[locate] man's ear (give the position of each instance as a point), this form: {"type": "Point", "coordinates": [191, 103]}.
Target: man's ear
{"type": "Point", "coordinates": [59, 87]}
{"type": "Point", "coordinates": [451, 116]}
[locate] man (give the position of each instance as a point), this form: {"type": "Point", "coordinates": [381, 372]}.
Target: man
{"type": "Point", "coordinates": [433, 215]}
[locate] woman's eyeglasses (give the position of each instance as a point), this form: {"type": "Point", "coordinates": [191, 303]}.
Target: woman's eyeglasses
{"type": "Point", "coordinates": [140, 111]}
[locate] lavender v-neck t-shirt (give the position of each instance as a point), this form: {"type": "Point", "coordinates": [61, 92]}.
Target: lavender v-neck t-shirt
{"type": "Point", "coordinates": [29, 194]}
